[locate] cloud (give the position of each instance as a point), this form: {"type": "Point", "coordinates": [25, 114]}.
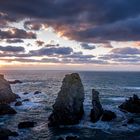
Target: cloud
{"type": "Point", "coordinates": [87, 46]}
{"type": "Point", "coordinates": [51, 51]}
{"type": "Point", "coordinates": [40, 42]}
{"type": "Point", "coordinates": [85, 21]}
{"type": "Point", "coordinates": [126, 50]}
{"type": "Point", "coordinates": [16, 33]}
{"type": "Point", "coordinates": [14, 41]}
{"type": "Point", "coordinates": [13, 49]}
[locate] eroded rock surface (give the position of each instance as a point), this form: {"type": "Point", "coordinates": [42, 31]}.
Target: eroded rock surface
{"type": "Point", "coordinates": [68, 107]}
{"type": "Point", "coordinates": [6, 94]}
{"type": "Point", "coordinates": [131, 105]}
{"type": "Point", "coordinates": [97, 110]}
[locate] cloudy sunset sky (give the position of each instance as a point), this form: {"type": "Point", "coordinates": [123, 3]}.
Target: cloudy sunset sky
{"type": "Point", "coordinates": [70, 34]}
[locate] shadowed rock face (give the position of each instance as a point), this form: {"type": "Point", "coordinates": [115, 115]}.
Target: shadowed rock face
{"type": "Point", "coordinates": [132, 105]}
{"type": "Point", "coordinates": [6, 94]}
{"type": "Point", "coordinates": [68, 107]}
{"type": "Point", "coordinates": [97, 110]}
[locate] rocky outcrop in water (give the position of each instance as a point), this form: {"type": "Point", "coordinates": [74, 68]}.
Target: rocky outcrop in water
{"type": "Point", "coordinates": [68, 107]}
{"type": "Point", "coordinates": [15, 82]}
{"type": "Point", "coordinates": [108, 115]}
{"type": "Point", "coordinates": [131, 105]}
{"type": "Point", "coordinates": [5, 133]}
{"type": "Point", "coordinates": [6, 94]}
{"type": "Point", "coordinates": [97, 109]}
{"type": "Point", "coordinates": [26, 124]}
{"type": "Point", "coordinates": [6, 109]}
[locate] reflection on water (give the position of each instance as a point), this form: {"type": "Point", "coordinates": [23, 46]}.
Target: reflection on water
{"type": "Point", "coordinates": [114, 88]}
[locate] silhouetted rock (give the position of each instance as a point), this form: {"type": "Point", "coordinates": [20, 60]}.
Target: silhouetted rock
{"type": "Point", "coordinates": [68, 107]}
{"type": "Point", "coordinates": [72, 138]}
{"type": "Point", "coordinates": [6, 94]}
{"type": "Point", "coordinates": [5, 133]}
{"type": "Point", "coordinates": [26, 124]}
{"type": "Point", "coordinates": [26, 100]}
{"type": "Point", "coordinates": [130, 121]}
{"type": "Point", "coordinates": [37, 92]}
{"type": "Point", "coordinates": [18, 103]}
{"type": "Point", "coordinates": [131, 105]}
{"type": "Point", "coordinates": [97, 109]}
{"type": "Point", "coordinates": [108, 115]}
{"type": "Point", "coordinates": [6, 109]}
{"type": "Point", "coordinates": [15, 82]}
{"type": "Point", "coordinates": [25, 93]}
{"type": "Point", "coordinates": [60, 138]}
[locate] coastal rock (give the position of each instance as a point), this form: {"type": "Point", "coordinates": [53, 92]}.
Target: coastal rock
{"type": "Point", "coordinates": [6, 109]}
{"type": "Point", "coordinates": [97, 109]}
{"type": "Point", "coordinates": [68, 107]}
{"type": "Point", "coordinates": [6, 94]}
{"type": "Point", "coordinates": [108, 115]}
{"type": "Point", "coordinates": [131, 105]}
{"type": "Point", "coordinates": [15, 82]}
{"type": "Point", "coordinates": [37, 92]}
{"type": "Point", "coordinates": [26, 124]}
{"type": "Point", "coordinates": [5, 133]}
{"type": "Point", "coordinates": [25, 93]}
{"type": "Point", "coordinates": [18, 103]}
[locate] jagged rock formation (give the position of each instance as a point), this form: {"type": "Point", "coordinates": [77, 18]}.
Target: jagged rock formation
{"type": "Point", "coordinates": [68, 107]}
{"type": "Point", "coordinates": [131, 105]}
{"type": "Point", "coordinates": [108, 115]}
{"type": "Point", "coordinates": [6, 94]}
{"type": "Point", "coordinates": [97, 109]}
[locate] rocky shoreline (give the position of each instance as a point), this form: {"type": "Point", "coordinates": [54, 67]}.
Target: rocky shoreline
{"type": "Point", "coordinates": [68, 107]}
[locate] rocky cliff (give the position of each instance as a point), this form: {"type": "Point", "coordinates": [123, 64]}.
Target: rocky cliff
{"type": "Point", "coordinates": [6, 94]}
{"type": "Point", "coordinates": [68, 107]}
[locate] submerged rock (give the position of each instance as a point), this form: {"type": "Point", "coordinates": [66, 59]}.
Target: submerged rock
{"type": "Point", "coordinates": [37, 92]}
{"type": "Point", "coordinates": [97, 109]}
{"type": "Point", "coordinates": [6, 94]}
{"type": "Point", "coordinates": [25, 93]}
{"type": "Point", "coordinates": [108, 115]}
{"type": "Point", "coordinates": [5, 133]}
{"type": "Point", "coordinates": [68, 107]}
{"type": "Point", "coordinates": [18, 103]}
{"type": "Point", "coordinates": [6, 109]}
{"type": "Point", "coordinates": [26, 124]}
{"type": "Point", "coordinates": [26, 100]}
{"type": "Point", "coordinates": [131, 105]}
{"type": "Point", "coordinates": [15, 82]}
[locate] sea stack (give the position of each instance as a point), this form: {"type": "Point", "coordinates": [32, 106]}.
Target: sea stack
{"type": "Point", "coordinates": [97, 110]}
{"type": "Point", "coordinates": [68, 107]}
{"type": "Point", "coordinates": [6, 94]}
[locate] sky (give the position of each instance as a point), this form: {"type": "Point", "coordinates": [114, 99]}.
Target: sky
{"type": "Point", "coordinates": [70, 34]}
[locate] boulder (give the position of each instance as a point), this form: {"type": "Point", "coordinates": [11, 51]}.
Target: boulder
{"type": "Point", "coordinates": [15, 82]}
{"type": "Point", "coordinates": [97, 109]}
{"type": "Point", "coordinates": [5, 133]}
{"type": "Point", "coordinates": [26, 124]}
{"type": "Point", "coordinates": [131, 105]}
{"type": "Point", "coordinates": [37, 92]}
{"type": "Point", "coordinates": [108, 115]}
{"type": "Point", "coordinates": [25, 93]}
{"type": "Point", "coordinates": [68, 107]}
{"type": "Point", "coordinates": [6, 109]}
{"type": "Point", "coordinates": [6, 94]}
{"type": "Point", "coordinates": [26, 100]}
{"type": "Point", "coordinates": [18, 103]}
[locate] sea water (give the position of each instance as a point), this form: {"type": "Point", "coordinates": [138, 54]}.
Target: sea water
{"type": "Point", "coordinates": [114, 88]}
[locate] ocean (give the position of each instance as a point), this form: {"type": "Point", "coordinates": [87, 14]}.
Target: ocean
{"type": "Point", "coordinates": [114, 88]}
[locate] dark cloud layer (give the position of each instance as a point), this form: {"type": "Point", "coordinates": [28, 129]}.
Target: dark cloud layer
{"type": "Point", "coordinates": [11, 49]}
{"type": "Point", "coordinates": [16, 33]}
{"type": "Point", "coordinates": [84, 20]}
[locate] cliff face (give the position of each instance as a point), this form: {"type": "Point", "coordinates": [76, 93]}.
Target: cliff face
{"type": "Point", "coordinates": [68, 107]}
{"type": "Point", "coordinates": [6, 94]}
